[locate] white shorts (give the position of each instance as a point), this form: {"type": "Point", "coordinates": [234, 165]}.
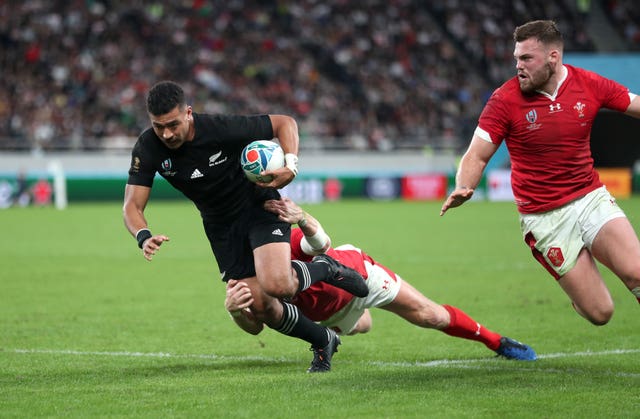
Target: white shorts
{"type": "Point", "coordinates": [383, 289]}
{"type": "Point", "coordinates": [556, 237]}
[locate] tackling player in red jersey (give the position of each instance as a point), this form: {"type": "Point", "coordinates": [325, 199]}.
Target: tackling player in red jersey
{"type": "Point", "coordinates": [346, 314]}
{"type": "Point", "coordinates": [568, 218]}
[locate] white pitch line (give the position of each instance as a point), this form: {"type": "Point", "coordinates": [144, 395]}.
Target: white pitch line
{"type": "Point", "coordinates": [459, 363]}
{"type": "Point", "coordinates": [591, 353]}
{"type": "Point", "coordinates": [142, 354]}
{"type": "Point", "coordinates": [446, 362]}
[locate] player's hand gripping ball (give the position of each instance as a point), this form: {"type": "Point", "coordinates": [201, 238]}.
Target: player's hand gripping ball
{"type": "Point", "coordinates": [259, 156]}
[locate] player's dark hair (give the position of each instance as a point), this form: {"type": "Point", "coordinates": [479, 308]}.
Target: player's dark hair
{"type": "Point", "coordinates": [163, 97]}
{"type": "Point", "coordinates": [545, 31]}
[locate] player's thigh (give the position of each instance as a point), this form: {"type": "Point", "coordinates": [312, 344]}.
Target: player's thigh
{"type": "Point", "coordinates": [617, 246]}
{"type": "Point", "coordinates": [269, 238]}
{"type": "Point", "coordinates": [415, 307]}
{"type": "Point", "coordinates": [273, 269]}
{"type": "Point", "coordinates": [585, 287]}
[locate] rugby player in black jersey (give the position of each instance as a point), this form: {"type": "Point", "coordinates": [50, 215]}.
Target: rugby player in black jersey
{"type": "Point", "coordinates": [199, 155]}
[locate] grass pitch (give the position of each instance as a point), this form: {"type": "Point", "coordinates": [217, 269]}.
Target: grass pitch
{"type": "Point", "coordinates": [88, 328]}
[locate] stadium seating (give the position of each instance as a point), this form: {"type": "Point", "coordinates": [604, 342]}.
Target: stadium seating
{"type": "Point", "coordinates": [372, 74]}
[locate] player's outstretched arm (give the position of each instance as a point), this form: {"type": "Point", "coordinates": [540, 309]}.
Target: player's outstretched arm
{"type": "Point", "coordinates": [315, 240]}
{"type": "Point", "coordinates": [470, 172]}
{"type": "Point", "coordinates": [135, 201]}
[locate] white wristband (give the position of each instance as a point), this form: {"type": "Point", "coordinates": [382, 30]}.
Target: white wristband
{"type": "Point", "coordinates": [291, 163]}
{"type": "Point", "coordinates": [316, 243]}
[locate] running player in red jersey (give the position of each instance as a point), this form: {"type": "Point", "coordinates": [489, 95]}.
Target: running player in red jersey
{"type": "Point", "coordinates": [568, 218]}
{"type": "Point", "coordinates": [346, 314]}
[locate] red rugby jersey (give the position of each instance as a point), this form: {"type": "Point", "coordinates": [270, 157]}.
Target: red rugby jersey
{"type": "Point", "coordinates": [548, 137]}
{"type": "Point", "coordinates": [321, 300]}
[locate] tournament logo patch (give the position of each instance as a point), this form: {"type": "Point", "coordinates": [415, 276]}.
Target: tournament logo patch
{"type": "Point", "coordinates": [532, 117]}
{"type": "Point", "coordinates": [166, 165]}
{"type": "Point", "coordinates": [555, 256]}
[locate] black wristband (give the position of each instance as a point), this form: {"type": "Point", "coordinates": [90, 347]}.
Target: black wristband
{"type": "Point", "coordinates": [143, 235]}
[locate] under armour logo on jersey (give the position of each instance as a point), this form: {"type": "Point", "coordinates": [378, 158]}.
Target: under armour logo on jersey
{"type": "Point", "coordinates": [277, 232]}
{"type": "Point", "coordinates": [554, 108]}
{"type": "Point", "coordinates": [196, 174]}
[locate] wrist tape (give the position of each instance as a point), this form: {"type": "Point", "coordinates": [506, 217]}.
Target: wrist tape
{"type": "Point", "coordinates": [291, 163]}
{"type": "Point", "coordinates": [142, 235]}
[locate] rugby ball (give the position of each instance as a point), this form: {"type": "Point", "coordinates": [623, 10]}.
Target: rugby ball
{"type": "Point", "coordinates": [259, 156]}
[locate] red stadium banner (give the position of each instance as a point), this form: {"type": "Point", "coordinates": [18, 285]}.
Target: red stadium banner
{"type": "Point", "coordinates": [424, 187]}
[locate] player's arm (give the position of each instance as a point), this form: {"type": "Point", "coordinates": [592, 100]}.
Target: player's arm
{"type": "Point", "coordinates": [285, 129]}
{"type": "Point", "coordinates": [315, 240]}
{"type": "Point", "coordinates": [237, 301]}
{"type": "Point", "coordinates": [634, 107]}
{"type": "Point", "coordinates": [135, 201]}
{"type": "Point", "coordinates": [470, 172]}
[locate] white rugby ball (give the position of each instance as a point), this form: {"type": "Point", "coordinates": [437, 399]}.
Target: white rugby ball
{"type": "Point", "coordinates": [259, 156]}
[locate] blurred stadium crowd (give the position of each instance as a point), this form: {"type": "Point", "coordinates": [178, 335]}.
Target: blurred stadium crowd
{"type": "Point", "coordinates": [368, 74]}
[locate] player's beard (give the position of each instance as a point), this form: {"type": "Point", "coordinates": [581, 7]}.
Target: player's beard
{"type": "Point", "coordinates": [536, 81]}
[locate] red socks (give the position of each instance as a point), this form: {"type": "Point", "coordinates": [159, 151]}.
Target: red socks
{"type": "Point", "coordinates": [463, 326]}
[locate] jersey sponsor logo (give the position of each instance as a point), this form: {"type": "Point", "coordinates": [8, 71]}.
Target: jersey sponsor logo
{"type": "Point", "coordinates": [213, 159]}
{"type": "Point", "coordinates": [277, 232]}
{"type": "Point", "coordinates": [532, 117]}
{"type": "Point", "coordinates": [553, 108]}
{"type": "Point", "coordinates": [196, 174]}
{"type": "Point", "coordinates": [555, 256]}
{"type": "Point", "coordinates": [579, 107]}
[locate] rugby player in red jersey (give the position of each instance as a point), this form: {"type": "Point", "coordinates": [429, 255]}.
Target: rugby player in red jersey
{"type": "Point", "coordinates": [568, 218]}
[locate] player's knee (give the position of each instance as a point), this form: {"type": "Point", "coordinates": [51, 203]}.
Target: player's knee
{"type": "Point", "coordinates": [598, 315]}
{"type": "Point", "coordinates": [430, 318]}
{"type": "Point", "coordinates": [279, 287]}
{"type": "Point", "coordinates": [601, 317]}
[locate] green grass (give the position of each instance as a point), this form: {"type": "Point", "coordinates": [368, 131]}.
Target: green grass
{"type": "Point", "coordinates": [88, 328]}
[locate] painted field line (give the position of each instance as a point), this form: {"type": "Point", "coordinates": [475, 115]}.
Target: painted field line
{"type": "Point", "coordinates": [441, 362]}
{"type": "Point", "coordinates": [434, 363]}
{"type": "Point", "coordinates": [143, 354]}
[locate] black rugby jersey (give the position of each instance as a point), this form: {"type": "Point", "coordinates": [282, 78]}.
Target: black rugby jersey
{"type": "Point", "coordinates": [206, 170]}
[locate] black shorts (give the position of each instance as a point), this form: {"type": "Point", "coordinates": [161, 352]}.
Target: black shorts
{"type": "Point", "coordinates": [233, 242]}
